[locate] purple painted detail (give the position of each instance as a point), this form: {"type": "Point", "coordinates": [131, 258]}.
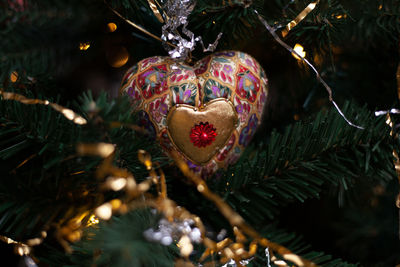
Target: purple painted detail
{"type": "Point", "coordinates": [184, 93]}
{"type": "Point", "coordinates": [247, 133]}
{"type": "Point", "coordinates": [226, 53]}
{"type": "Point", "coordinates": [158, 109]}
{"type": "Point", "coordinates": [247, 84]}
{"type": "Point", "coordinates": [213, 89]}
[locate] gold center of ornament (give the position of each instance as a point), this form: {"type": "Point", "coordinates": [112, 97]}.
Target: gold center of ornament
{"type": "Point", "coordinates": [181, 119]}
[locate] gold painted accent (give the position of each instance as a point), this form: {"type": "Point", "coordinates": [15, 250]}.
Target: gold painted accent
{"type": "Point", "coordinates": [182, 118]}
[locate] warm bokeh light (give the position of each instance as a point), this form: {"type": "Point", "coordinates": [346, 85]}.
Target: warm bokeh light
{"type": "Point", "coordinates": [93, 220]}
{"type": "Point", "coordinates": [299, 49]}
{"type": "Point", "coordinates": [104, 211]}
{"type": "Point", "coordinates": [14, 76]}
{"type": "Point", "coordinates": [84, 46]}
{"type": "Point", "coordinates": [185, 246]}
{"type": "Point", "coordinates": [117, 56]}
{"type": "Point", "coordinates": [111, 27]}
{"type": "Point", "coordinates": [116, 183]}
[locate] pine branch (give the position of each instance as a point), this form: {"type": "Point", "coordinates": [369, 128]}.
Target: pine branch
{"type": "Point", "coordinates": [298, 246]}
{"type": "Point", "coordinates": [43, 38]}
{"type": "Point", "coordinates": [296, 164]}
{"type": "Point", "coordinates": [43, 180]}
{"type": "Point", "coordinates": [119, 242]}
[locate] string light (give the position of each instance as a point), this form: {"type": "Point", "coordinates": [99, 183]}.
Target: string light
{"type": "Point", "coordinates": [299, 49]}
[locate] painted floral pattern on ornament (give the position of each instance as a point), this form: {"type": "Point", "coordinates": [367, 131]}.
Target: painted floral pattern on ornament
{"type": "Point", "coordinates": [204, 171]}
{"type": "Point", "coordinates": [243, 108]}
{"type": "Point", "coordinates": [228, 147]}
{"type": "Point", "coordinates": [247, 133]}
{"type": "Point", "coordinates": [249, 61]}
{"type": "Point", "coordinates": [182, 74]}
{"type": "Point", "coordinates": [261, 102]}
{"type": "Point", "coordinates": [184, 93]}
{"type": "Point", "coordinates": [234, 156]}
{"type": "Point", "coordinates": [149, 61]}
{"type": "Point", "coordinates": [134, 95]}
{"type": "Point", "coordinates": [159, 109]}
{"type": "Point", "coordinates": [153, 81]}
{"type": "Point", "coordinates": [247, 84]}
{"type": "Point", "coordinates": [132, 71]}
{"type": "Point", "coordinates": [225, 53]}
{"type": "Point", "coordinates": [223, 69]}
{"type": "Point", "coordinates": [156, 84]}
{"type": "Point", "coordinates": [213, 89]}
{"type": "Point", "coordinates": [202, 65]}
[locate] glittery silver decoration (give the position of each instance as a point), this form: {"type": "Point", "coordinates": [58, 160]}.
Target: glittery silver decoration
{"type": "Point", "coordinates": [167, 231]}
{"type": "Point", "coordinates": [268, 257]}
{"type": "Point", "coordinates": [232, 263]}
{"type": "Point", "coordinates": [384, 112]}
{"type": "Point", "coordinates": [27, 261]}
{"type": "Point", "coordinates": [177, 12]}
{"type": "Point", "coordinates": [221, 235]}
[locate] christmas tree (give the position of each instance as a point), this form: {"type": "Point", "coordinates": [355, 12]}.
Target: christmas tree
{"type": "Point", "coordinates": [83, 183]}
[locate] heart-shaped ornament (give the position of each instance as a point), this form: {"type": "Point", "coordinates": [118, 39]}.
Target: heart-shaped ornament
{"type": "Point", "coordinates": [208, 112]}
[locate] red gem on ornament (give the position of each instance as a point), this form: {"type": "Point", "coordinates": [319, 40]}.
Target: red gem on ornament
{"type": "Point", "coordinates": [203, 134]}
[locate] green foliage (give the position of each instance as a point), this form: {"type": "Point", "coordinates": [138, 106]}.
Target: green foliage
{"type": "Point", "coordinates": [55, 184]}
{"type": "Point", "coordinates": [122, 243]}
{"type": "Point", "coordinates": [297, 245]}
{"type": "Point", "coordinates": [295, 164]}
{"type": "Point", "coordinates": [33, 133]}
{"type": "Point", "coordinates": [375, 20]}
{"type": "Point", "coordinates": [53, 29]}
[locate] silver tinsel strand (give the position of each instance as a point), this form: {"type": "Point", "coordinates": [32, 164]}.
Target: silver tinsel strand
{"type": "Point", "coordinates": [177, 12]}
